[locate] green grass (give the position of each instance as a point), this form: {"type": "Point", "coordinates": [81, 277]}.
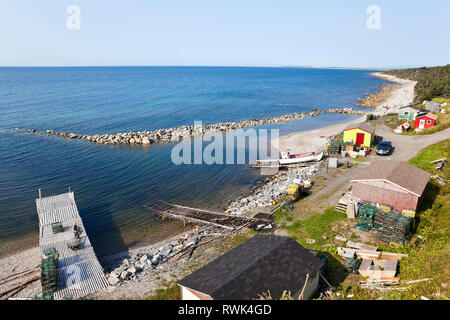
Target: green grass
{"type": "Point", "coordinates": [282, 214]}
{"type": "Point", "coordinates": [316, 227]}
{"type": "Point", "coordinates": [169, 291]}
{"type": "Point", "coordinates": [434, 152]}
{"type": "Point", "coordinates": [440, 100]}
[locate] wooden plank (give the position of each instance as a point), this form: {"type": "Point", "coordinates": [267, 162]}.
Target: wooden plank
{"type": "Point", "coordinates": [381, 280]}
{"type": "Point", "coordinates": [372, 254]}
{"type": "Point", "coordinates": [392, 256]}
{"type": "Point", "coordinates": [361, 246]}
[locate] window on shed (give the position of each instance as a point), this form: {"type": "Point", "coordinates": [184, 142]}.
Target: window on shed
{"type": "Point", "coordinates": [428, 121]}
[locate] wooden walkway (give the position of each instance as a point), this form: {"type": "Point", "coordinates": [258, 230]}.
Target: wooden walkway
{"type": "Point", "coordinates": [79, 272]}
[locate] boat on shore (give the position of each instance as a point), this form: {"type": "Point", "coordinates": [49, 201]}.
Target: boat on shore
{"type": "Point", "coordinates": [287, 159]}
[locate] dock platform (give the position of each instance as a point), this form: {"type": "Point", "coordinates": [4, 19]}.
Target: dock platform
{"type": "Point", "coordinates": [79, 272]}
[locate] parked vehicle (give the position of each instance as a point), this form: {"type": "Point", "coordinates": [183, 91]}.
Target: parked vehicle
{"type": "Point", "coordinates": [384, 148]}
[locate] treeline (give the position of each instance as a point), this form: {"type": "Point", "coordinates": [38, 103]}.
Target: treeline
{"type": "Point", "coordinates": [431, 82]}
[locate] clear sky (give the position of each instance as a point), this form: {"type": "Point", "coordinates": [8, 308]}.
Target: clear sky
{"type": "Point", "coordinates": [225, 32]}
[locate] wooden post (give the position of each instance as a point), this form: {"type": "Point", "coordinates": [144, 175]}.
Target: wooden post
{"type": "Point", "coordinates": [300, 297]}
{"type": "Point", "coordinates": [40, 193]}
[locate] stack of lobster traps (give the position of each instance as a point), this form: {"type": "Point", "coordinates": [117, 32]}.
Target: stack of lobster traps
{"type": "Point", "coordinates": [49, 273]}
{"type": "Point", "coordinates": [390, 225]}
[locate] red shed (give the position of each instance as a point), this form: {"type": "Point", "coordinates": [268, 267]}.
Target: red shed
{"type": "Point", "coordinates": [394, 183]}
{"type": "Point", "coordinates": [425, 120]}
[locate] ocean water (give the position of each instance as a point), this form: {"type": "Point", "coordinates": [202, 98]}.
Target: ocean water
{"type": "Point", "coordinates": [112, 184]}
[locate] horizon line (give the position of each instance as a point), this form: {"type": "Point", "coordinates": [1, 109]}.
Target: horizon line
{"type": "Point", "coordinates": [216, 66]}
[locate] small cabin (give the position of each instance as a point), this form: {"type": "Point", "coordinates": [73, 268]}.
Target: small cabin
{"type": "Point", "coordinates": [260, 265]}
{"type": "Point", "coordinates": [408, 113]}
{"type": "Point", "coordinates": [425, 120]}
{"type": "Point", "coordinates": [433, 106]}
{"type": "Point", "coordinates": [361, 134]}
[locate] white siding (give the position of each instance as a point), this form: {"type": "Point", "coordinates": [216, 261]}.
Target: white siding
{"type": "Point", "coordinates": [187, 295]}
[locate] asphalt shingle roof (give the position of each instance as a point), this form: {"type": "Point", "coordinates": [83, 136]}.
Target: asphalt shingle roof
{"type": "Point", "coordinates": [399, 173]}
{"type": "Point", "coordinates": [260, 264]}
{"type": "Point", "coordinates": [363, 125]}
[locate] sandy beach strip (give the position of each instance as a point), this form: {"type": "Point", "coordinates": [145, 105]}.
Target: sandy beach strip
{"type": "Point", "coordinates": [312, 140]}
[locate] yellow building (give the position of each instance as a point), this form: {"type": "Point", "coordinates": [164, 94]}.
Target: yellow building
{"type": "Point", "coordinates": [361, 134]}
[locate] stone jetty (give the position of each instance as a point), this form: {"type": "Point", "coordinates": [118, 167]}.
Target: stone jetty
{"type": "Point", "coordinates": [179, 133]}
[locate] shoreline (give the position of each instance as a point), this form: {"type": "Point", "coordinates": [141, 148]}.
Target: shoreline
{"type": "Point", "coordinates": [304, 141]}
{"type": "Point", "coordinates": [301, 141]}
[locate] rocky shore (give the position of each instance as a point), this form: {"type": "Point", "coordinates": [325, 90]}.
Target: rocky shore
{"type": "Point", "coordinates": [128, 266]}
{"type": "Point", "coordinates": [179, 133]}
{"type": "Point", "coordinates": [374, 99]}
{"type": "Point", "coordinates": [273, 189]}
{"type": "Point", "coordinates": [134, 273]}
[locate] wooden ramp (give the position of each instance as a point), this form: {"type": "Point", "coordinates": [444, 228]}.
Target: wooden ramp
{"type": "Point", "coordinates": [206, 217]}
{"type": "Point", "coordinates": [79, 272]}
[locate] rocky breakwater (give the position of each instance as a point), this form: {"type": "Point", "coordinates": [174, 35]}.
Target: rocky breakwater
{"type": "Point", "coordinates": [273, 189]}
{"type": "Point", "coordinates": [179, 133]}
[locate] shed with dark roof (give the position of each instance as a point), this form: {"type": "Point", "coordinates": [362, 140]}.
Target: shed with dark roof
{"type": "Point", "coordinates": [394, 183]}
{"type": "Point", "coordinates": [261, 264]}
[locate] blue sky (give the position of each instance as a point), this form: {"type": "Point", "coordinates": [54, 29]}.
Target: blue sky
{"type": "Point", "coordinates": [226, 32]}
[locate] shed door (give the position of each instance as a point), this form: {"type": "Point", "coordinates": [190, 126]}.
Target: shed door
{"type": "Point", "coordinates": [359, 139]}
{"type": "Point", "coordinates": [421, 123]}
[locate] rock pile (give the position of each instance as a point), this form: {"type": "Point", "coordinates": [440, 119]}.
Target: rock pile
{"type": "Point", "coordinates": [375, 99]}
{"type": "Point", "coordinates": [273, 189]}
{"type": "Point", "coordinates": [179, 133]}
{"type": "Point", "coordinates": [130, 267]}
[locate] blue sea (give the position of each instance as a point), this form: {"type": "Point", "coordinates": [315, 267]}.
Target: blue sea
{"type": "Point", "coordinates": [112, 184]}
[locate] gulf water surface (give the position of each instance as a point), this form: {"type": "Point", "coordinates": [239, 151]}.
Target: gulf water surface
{"type": "Point", "coordinates": [113, 183]}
